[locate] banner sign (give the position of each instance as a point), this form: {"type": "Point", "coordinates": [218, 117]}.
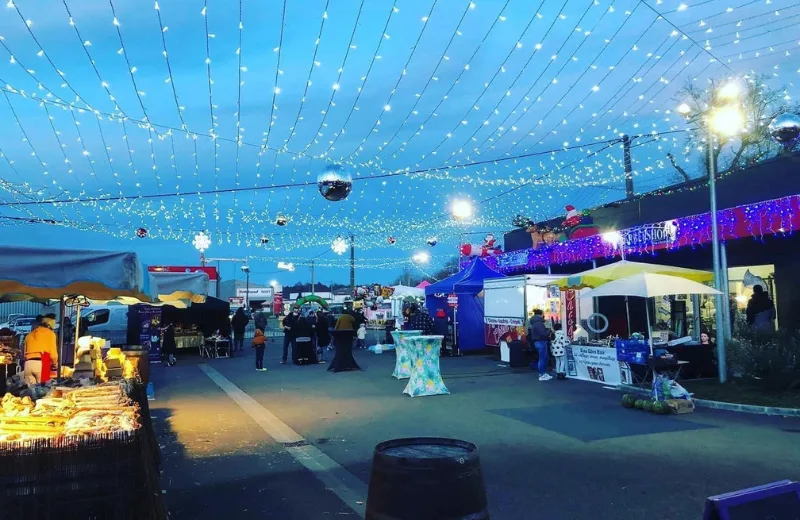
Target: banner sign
{"type": "Point", "coordinates": [495, 329]}
{"type": "Point", "coordinates": [452, 300]}
{"type": "Point", "coordinates": [256, 293]}
{"type": "Point", "coordinates": [571, 306]}
{"type": "Point", "coordinates": [277, 303]}
{"type": "Point", "coordinates": [596, 364]}
{"type": "Point", "coordinates": [210, 271]}
{"type": "Point", "coordinates": [150, 330]}
{"type": "Point", "coordinates": [517, 322]}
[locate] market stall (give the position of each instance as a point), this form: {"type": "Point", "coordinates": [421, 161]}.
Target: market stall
{"type": "Point", "coordinates": [465, 290]}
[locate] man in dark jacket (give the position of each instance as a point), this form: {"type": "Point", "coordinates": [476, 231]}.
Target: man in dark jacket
{"type": "Point", "coordinates": [239, 324]}
{"type": "Point", "coordinates": [421, 320]}
{"type": "Point", "coordinates": [539, 336]}
{"type": "Point", "coordinates": [288, 335]}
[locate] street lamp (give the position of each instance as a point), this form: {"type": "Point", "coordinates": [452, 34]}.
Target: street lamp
{"type": "Point", "coordinates": [273, 283]}
{"type": "Point", "coordinates": [246, 271]}
{"type": "Point", "coordinates": [723, 118]}
{"type": "Point", "coordinates": [202, 242]}
{"type": "Point", "coordinates": [421, 257]}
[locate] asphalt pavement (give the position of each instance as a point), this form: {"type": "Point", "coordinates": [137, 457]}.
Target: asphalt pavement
{"type": "Point", "coordinates": [557, 449]}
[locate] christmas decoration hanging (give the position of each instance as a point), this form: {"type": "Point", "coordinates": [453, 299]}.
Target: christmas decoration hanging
{"type": "Point", "coordinates": [391, 240]}
{"type": "Point", "coordinates": [281, 220]}
{"type": "Point", "coordinates": [141, 232]}
{"type": "Point", "coordinates": [432, 241]}
{"type": "Point", "coordinates": [785, 129]}
{"type": "Point", "coordinates": [339, 246]}
{"type": "Point", "coordinates": [489, 248]}
{"type": "Point", "coordinates": [335, 183]}
{"type": "Point", "coordinates": [264, 240]}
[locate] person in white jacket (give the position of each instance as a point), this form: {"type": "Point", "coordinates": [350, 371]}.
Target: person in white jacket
{"type": "Point", "coordinates": [361, 334]}
{"type": "Point", "coordinates": [558, 348]}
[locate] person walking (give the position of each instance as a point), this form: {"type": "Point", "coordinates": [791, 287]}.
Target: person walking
{"type": "Point", "coordinates": [323, 335]}
{"type": "Point", "coordinates": [168, 345]}
{"type": "Point", "coordinates": [239, 324]}
{"type": "Point", "coordinates": [288, 334]}
{"type": "Point", "coordinates": [538, 336]}
{"type": "Point", "coordinates": [259, 344]}
{"type": "Point", "coordinates": [760, 311]}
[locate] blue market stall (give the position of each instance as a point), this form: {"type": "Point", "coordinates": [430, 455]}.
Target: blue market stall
{"type": "Point", "coordinates": [467, 285]}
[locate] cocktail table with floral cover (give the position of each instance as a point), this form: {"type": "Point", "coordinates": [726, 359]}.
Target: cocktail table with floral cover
{"type": "Point", "coordinates": [402, 365]}
{"type": "Point", "coordinates": [426, 379]}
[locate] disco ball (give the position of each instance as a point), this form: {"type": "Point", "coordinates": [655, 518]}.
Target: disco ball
{"type": "Point", "coordinates": [391, 240]}
{"type": "Point", "coordinates": [264, 240]}
{"type": "Point", "coordinates": [335, 183]}
{"type": "Point", "coordinates": [785, 129]}
{"type": "Point", "coordinates": [432, 241]}
{"type": "Point", "coordinates": [281, 220]}
{"type": "Point", "coordinates": [141, 232]}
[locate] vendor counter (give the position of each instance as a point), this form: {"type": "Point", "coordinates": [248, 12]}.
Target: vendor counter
{"type": "Point", "coordinates": [188, 340]}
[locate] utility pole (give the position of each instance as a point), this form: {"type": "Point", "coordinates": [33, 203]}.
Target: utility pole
{"type": "Point", "coordinates": [352, 263]}
{"type": "Point", "coordinates": [626, 150]}
{"type": "Point", "coordinates": [312, 277]}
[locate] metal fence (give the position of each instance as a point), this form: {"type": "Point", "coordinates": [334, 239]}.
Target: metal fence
{"type": "Point", "coordinates": [26, 308]}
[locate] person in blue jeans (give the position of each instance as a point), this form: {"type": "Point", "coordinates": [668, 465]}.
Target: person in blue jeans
{"type": "Point", "coordinates": [539, 336]}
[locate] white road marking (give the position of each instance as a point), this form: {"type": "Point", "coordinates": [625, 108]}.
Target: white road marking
{"type": "Point", "coordinates": [341, 482]}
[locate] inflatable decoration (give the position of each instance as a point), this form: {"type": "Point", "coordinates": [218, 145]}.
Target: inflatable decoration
{"type": "Point", "coordinates": [487, 249]}
{"type": "Point", "coordinates": [577, 225]}
{"type": "Point", "coordinates": [141, 232]}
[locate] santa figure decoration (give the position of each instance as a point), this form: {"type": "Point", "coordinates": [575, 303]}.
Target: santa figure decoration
{"type": "Point", "coordinates": [487, 249]}
{"type": "Point", "coordinates": [577, 224]}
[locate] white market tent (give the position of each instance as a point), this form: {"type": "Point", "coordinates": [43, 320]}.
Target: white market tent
{"type": "Point", "coordinates": [402, 291]}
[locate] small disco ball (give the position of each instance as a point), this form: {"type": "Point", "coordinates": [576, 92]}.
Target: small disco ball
{"type": "Point", "coordinates": [391, 240]}
{"type": "Point", "coordinates": [335, 183]}
{"type": "Point", "coordinates": [785, 129]}
{"type": "Point", "coordinates": [141, 232]}
{"type": "Point", "coordinates": [281, 220]}
{"type": "Point", "coordinates": [264, 240]}
{"type": "Point", "coordinates": [432, 241]}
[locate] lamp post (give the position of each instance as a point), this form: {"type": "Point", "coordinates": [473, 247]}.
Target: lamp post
{"type": "Point", "coordinates": [724, 118]}
{"type": "Point", "coordinates": [246, 271]}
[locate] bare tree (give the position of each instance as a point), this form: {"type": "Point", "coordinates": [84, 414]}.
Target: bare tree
{"type": "Point", "coordinates": [760, 105]}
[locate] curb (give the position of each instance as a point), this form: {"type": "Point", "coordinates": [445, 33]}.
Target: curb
{"type": "Point", "coordinates": [731, 407]}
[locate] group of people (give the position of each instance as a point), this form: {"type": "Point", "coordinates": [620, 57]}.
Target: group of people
{"type": "Point", "coordinates": [548, 341]}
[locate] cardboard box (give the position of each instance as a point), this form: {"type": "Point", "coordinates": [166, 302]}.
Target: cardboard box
{"type": "Point", "coordinates": [681, 406]}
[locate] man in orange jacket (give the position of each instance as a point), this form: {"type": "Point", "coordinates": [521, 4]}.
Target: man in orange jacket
{"type": "Point", "coordinates": [41, 340]}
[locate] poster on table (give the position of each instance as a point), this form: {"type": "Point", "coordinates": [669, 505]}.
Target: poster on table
{"type": "Point", "coordinates": [596, 364]}
{"type": "Point", "coordinates": [150, 330]}
{"type": "Point", "coordinates": [494, 329]}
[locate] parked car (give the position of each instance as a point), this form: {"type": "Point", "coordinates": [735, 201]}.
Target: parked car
{"type": "Point", "coordinates": [10, 320]}
{"type": "Point", "coordinates": [23, 325]}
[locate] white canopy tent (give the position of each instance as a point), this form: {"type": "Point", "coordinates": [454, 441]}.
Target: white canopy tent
{"type": "Point", "coordinates": [402, 291]}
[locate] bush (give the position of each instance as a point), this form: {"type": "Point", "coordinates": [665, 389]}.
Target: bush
{"type": "Point", "coordinates": [773, 361]}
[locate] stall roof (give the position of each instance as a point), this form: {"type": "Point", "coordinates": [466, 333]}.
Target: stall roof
{"type": "Point", "coordinates": [402, 291]}
{"type": "Point", "coordinates": [468, 281]}
{"type": "Point", "coordinates": [45, 273]}
{"type": "Point", "coordinates": [178, 287]}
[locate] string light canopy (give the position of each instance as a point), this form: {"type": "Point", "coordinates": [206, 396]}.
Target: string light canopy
{"type": "Point", "coordinates": [299, 122]}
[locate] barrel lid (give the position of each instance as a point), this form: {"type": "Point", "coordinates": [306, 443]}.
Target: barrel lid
{"type": "Point", "coordinates": [430, 448]}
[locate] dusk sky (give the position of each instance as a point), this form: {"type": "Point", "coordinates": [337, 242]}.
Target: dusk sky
{"type": "Point", "coordinates": [184, 116]}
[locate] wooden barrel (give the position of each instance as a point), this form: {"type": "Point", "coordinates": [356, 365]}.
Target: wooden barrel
{"type": "Point", "coordinates": [426, 478]}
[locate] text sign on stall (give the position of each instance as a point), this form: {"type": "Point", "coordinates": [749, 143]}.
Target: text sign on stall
{"type": "Point", "coordinates": [452, 300]}
{"type": "Point", "coordinates": [571, 316]}
{"type": "Point", "coordinates": [596, 364]}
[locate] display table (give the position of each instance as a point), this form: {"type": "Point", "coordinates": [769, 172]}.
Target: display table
{"type": "Point", "coordinates": [211, 347]}
{"type": "Point", "coordinates": [188, 340]}
{"type": "Point", "coordinates": [425, 378]}
{"type": "Point", "coordinates": [343, 353]}
{"type": "Point", "coordinates": [402, 365]}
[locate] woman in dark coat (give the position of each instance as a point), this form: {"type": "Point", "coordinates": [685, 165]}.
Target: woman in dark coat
{"type": "Point", "coordinates": [303, 352]}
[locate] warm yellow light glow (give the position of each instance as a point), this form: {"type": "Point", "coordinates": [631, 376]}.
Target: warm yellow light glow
{"type": "Point", "coordinates": [741, 298]}
{"type": "Point", "coordinates": [729, 91]}
{"type": "Point", "coordinates": [462, 209]}
{"type": "Point", "coordinates": [684, 108]}
{"type": "Point", "coordinates": [273, 283]}
{"type": "Point", "coordinates": [727, 120]}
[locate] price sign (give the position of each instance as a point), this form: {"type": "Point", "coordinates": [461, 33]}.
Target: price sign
{"type": "Point", "coordinates": [452, 300]}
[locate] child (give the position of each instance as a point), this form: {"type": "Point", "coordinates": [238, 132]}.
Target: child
{"type": "Point", "coordinates": [362, 336]}
{"type": "Point", "coordinates": [260, 343]}
{"type": "Point", "coordinates": [558, 348]}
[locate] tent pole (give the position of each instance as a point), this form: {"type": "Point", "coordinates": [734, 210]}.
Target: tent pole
{"type": "Point", "coordinates": [628, 315]}
{"type": "Point", "coordinates": [649, 332]}
{"type": "Point", "coordinates": [61, 314]}
{"type": "Point", "coordinates": [77, 332]}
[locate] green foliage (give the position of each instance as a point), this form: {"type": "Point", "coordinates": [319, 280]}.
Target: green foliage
{"type": "Point", "coordinates": [770, 360]}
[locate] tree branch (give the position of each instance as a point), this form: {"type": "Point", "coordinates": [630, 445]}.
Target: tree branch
{"type": "Point", "coordinates": [678, 167]}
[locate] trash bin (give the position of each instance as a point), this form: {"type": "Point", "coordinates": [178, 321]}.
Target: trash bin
{"type": "Point", "coordinates": [516, 354]}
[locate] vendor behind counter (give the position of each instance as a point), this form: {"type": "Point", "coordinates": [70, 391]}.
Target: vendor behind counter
{"type": "Point", "coordinates": [40, 342]}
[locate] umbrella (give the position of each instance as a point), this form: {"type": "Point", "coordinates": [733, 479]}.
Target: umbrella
{"type": "Point", "coordinates": [622, 269]}
{"type": "Point", "coordinates": [648, 285]}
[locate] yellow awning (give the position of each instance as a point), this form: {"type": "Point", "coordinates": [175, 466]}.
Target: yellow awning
{"type": "Point", "coordinates": [622, 269]}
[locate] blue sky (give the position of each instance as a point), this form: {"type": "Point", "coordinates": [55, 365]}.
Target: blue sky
{"type": "Point", "coordinates": [407, 95]}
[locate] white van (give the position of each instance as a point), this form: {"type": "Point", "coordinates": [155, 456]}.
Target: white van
{"type": "Point", "coordinates": [108, 321]}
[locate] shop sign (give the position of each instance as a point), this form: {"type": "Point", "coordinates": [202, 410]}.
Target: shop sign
{"type": "Point", "coordinates": [516, 322]}
{"type": "Point", "coordinates": [495, 329]}
{"type": "Point", "coordinates": [256, 293]}
{"type": "Point", "coordinates": [652, 235]}
{"type": "Point", "coordinates": [277, 303]}
{"type": "Point", "coordinates": [236, 301]}
{"type": "Point", "coordinates": [597, 364]}
{"type": "Point", "coordinates": [513, 259]}
{"type": "Point", "coordinates": [452, 300]}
